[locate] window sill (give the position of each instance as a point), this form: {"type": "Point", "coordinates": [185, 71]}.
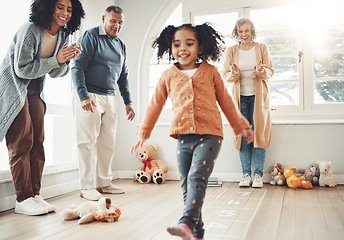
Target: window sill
{"type": "Point", "coordinates": [5, 176]}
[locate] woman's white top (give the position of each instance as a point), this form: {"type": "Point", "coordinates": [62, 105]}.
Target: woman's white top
{"type": "Point", "coordinates": [247, 62]}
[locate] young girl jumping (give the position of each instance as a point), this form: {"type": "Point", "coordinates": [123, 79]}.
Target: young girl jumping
{"type": "Point", "coordinates": [194, 87]}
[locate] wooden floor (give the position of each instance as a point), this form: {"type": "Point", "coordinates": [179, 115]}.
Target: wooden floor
{"type": "Point", "coordinates": [230, 212]}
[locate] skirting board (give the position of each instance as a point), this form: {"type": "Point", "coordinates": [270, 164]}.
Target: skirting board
{"type": "Point", "coordinates": [7, 203]}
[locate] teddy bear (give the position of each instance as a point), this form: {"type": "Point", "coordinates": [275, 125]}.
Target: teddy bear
{"type": "Point", "coordinates": [277, 175]}
{"type": "Point", "coordinates": [311, 174]}
{"type": "Point", "coordinates": [326, 176]}
{"type": "Point", "coordinates": [152, 169]}
{"type": "Point", "coordinates": [296, 182]}
{"type": "Point", "coordinates": [101, 211]}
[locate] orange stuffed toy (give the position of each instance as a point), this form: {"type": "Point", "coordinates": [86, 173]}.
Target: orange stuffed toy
{"type": "Point", "coordinates": [296, 182]}
{"type": "Point", "coordinates": [106, 211]}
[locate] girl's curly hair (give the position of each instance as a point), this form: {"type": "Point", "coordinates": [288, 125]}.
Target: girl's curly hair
{"type": "Point", "coordinates": [42, 14]}
{"type": "Point", "coordinates": [211, 41]}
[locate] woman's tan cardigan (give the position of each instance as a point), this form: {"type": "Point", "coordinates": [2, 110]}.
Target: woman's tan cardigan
{"type": "Point", "coordinates": [261, 113]}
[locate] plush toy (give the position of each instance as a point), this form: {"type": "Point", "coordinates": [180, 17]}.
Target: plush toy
{"type": "Point", "coordinates": [311, 174]}
{"type": "Point", "coordinates": [296, 182]}
{"type": "Point", "coordinates": [89, 211]}
{"type": "Point", "coordinates": [277, 175]}
{"type": "Point", "coordinates": [326, 176]}
{"type": "Point", "coordinates": [152, 168]}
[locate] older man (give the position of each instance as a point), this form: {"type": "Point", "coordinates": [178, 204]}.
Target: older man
{"type": "Point", "coordinates": [95, 74]}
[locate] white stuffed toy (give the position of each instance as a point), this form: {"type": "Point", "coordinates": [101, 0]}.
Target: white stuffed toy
{"type": "Point", "coordinates": [326, 176]}
{"type": "Point", "coordinates": [89, 211]}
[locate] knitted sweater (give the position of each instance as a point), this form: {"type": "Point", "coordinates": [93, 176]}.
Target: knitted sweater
{"type": "Point", "coordinates": [194, 103]}
{"type": "Point", "coordinates": [21, 64]}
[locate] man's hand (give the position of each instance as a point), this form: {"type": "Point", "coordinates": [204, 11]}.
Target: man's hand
{"type": "Point", "coordinates": [88, 104]}
{"type": "Point", "coordinates": [130, 112]}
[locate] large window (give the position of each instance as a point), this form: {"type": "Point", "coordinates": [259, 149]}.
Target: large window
{"type": "Point", "coordinates": [59, 122]}
{"type": "Point", "coordinates": [305, 40]}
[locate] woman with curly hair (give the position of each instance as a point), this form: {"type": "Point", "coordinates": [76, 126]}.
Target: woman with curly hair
{"type": "Point", "coordinates": [195, 87]}
{"type": "Point", "coordinates": [38, 48]}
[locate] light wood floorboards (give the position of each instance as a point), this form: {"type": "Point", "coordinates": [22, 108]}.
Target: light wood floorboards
{"type": "Point", "coordinates": [229, 212]}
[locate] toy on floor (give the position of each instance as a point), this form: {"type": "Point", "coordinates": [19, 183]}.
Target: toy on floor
{"type": "Point", "coordinates": [311, 174]}
{"type": "Point", "coordinates": [101, 211]}
{"type": "Point", "coordinates": [326, 176]}
{"type": "Point", "coordinates": [277, 175]}
{"type": "Point", "coordinates": [296, 182]}
{"type": "Point", "coordinates": [152, 168]}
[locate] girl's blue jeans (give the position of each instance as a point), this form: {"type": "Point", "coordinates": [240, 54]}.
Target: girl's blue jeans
{"type": "Point", "coordinates": [248, 152]}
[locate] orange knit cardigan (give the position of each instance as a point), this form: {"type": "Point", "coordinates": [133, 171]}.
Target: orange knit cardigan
{"type": "Point", "coordinates": [194, 103]}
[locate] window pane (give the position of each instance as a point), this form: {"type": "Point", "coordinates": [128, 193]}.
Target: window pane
{"type": "Point", "coordinates": [155, 73]}
{"type": "Point", "coordinates": [284, 93]}
{"type": "Point", "coordinates": [54, 88]}
{"type": "Point", "coordinates": [329, 91]}
{"type": "Point", "coordinates": [284, 42]}
{"type": "Point", "coordinates": [275, 18]}
{"type": "Point", "coordinates": [328, 38]}
{"type": "Point", "coordinates": [4, 165]}
{"type": "Point", "coordinates": [286, 68]}
{"type": "Point", "coordinates": [222, 22]}
{"type": "Point", "coordinates": [329, 65]}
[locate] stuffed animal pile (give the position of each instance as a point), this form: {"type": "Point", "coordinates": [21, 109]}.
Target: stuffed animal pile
{"type": "Point", "coordinates": [101, 211]}
{"type": "Point", "coordinates": [152, 169]}
{"type": "Point", "coordinates": [319, 172]}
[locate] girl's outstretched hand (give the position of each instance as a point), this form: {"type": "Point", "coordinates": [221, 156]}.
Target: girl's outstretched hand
{"type": "Point", "coordinates": [248, 133]}
{"type": "Point", "coordinates": [138, 144]}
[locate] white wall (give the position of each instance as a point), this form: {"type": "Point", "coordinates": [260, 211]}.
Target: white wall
{"type": "Point", "coordinates": [293, 145]}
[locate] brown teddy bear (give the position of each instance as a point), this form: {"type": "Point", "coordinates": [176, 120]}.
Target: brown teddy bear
{"type": "Point", "coordinates": [89, 211]}
{"type": "Point", "coordinates": [152, 169]}
{"type": "Point", "coordinates": [277, 175]}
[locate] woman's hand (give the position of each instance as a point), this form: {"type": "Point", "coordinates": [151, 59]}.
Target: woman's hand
{"type": "Point", "coordinates": [248, 133]}
{"type": "Point", "coordinates": [260, 67]}
{"type": "Point", "coordinates": [234, 69]}
{"type": "Point", "coordinates": [66, 54]}
{"type": "Point", "coordinates": [138, 144]}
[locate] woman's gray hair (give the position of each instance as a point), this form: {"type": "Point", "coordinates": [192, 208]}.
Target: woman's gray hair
{"type": "Point", "coordinates": [238, 24]}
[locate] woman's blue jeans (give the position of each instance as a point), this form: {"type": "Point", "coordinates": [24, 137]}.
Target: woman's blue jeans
{"type": "Point", "coordinates": [248, 152]}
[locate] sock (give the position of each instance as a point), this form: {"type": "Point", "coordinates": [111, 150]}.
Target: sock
{"type": "Point", "coordinates": [182, 230]}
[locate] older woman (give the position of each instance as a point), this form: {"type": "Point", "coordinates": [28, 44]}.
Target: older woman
{"type": "Point", "coordinates": [38, 48]}
{"type": "Point", "coordinates": [248, 66]}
